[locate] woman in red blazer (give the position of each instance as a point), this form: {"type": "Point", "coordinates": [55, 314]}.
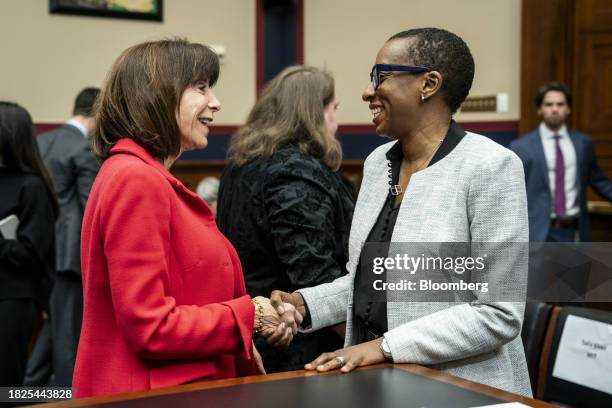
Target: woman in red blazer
{"type": "Point", "coordinates": [165, 301]}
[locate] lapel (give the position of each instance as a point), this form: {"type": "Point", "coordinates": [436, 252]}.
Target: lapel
{"type": "Point", "coordinates": [374, 193]}
{"type": "Point", "coordinates": [541, 157]}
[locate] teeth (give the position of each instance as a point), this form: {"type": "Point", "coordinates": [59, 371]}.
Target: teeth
{"type": "Point", "coordinates": [376, 111]}
{"type": "Point", "coordinates": [205, 121]}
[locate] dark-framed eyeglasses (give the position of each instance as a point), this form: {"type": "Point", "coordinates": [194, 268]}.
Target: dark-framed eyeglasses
{"type": "Point", "coordinates": [380, 69]}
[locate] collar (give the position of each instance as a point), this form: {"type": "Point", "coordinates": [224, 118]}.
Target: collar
{"type": "Point", "coordinates": [78, 125]}
{"type": "Point", "coordinates": [129, 146]}
{"type": "Point", "coordinates": [454, 135]}
{"type": "Point", "coordinates": [546, 133]}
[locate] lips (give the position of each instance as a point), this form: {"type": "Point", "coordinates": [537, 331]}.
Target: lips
{"type": "Point", "coordinates": [205, 120]}
{"type": "Point", "coordinates": [377, 111]}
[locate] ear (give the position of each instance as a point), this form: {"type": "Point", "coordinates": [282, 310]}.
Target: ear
{"type": "Point", "coordinates": [432, 83]}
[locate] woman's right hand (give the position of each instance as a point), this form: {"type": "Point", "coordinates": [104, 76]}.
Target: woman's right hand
{"type": "Point", "coordinates": [279, 299]}
{"type": "Point", "coordinates": [278, 329]}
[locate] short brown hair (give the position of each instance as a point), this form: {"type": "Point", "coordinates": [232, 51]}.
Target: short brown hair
{"type": "Point", "coordinates": [142, 93]}
{"type": "Point", "coordinates": [290, 111]}
{"type": "Point", "coordinates": [553, 86]}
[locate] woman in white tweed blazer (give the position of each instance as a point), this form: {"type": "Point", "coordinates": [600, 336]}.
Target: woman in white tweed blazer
{"type": "Point", "coordinates": [446, 186]}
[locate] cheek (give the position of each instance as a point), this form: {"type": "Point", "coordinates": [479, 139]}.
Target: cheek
{"type": "Point", "coordinates": [331, 121]}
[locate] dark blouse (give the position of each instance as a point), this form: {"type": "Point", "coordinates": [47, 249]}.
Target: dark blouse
{"type": "Point", "coordinates": [289, 217]}
{"type": "Point", "coordinates": [26, 263]}
{"type": "Point", "coordinates": [370, 315]}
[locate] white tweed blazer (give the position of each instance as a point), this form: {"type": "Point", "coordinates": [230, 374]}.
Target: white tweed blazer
{"type": "Point", "coordinates": [474, 194]}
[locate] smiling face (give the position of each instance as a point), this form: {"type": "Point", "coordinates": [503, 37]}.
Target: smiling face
{"type": "Point", "coordinates": [196, 108]}
{"type": "Point", "coordinates": [395, 103]}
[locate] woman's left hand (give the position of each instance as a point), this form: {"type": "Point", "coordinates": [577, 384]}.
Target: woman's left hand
{"type": "Point", "coordinates": [349, 358]}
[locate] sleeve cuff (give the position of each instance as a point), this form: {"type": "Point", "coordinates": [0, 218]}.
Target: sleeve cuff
{"type": "Point", "coordinates": [244, 313]}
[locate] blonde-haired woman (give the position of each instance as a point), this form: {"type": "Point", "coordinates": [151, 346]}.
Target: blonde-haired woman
{"type": "Point", "coordinates": [281, 202]}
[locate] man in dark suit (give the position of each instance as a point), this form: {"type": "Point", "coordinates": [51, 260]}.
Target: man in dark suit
{"type": "Point", "coordinates": [559, 165]}
{"type": "Point", "coordinates": [67, 155]}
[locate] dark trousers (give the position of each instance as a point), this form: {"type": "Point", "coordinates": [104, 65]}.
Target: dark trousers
{"type": "Point", "coordinates": [561, 234]}
{"type": "Point", "coordinates": [54, 355]}
{"type": "Point", "coordinates": [18, 319]}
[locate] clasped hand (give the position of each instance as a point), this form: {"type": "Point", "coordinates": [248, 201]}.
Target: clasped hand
{"type": "Point", "coordinates": [279, 329]}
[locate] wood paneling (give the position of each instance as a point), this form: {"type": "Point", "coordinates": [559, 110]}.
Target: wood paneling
{"type": "Point", "coordinates": [546, 51]}
{"type": "Point", "coordinates": [571, 41]}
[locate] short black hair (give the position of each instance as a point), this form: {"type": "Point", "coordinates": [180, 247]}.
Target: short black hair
{"type": "Point", "coordinates": [553, 86]}
{"type": "Point", "coordinates": [445, 52]}
{"type": "Point", "coordinates": [84, 102]}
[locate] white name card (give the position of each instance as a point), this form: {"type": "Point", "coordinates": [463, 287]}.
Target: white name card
{"type": "Point", "coordinates": [585, 354]}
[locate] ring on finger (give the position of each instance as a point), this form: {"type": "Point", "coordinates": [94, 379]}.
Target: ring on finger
{"type": "Point", "coordinates": [340, 360]}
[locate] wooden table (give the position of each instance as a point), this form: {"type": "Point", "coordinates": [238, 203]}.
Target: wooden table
{"type": "Point", "coordinates": [364, 387]}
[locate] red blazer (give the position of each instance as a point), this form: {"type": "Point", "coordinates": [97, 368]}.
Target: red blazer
{"type": "Point", "coordinates": [164, 295]}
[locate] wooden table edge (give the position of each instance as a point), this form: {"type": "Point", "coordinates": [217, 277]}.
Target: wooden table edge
{"type": "Point", "coordinates": [199, 386]}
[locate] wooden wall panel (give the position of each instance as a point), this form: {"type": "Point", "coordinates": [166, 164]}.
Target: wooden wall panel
{"type": "Point", "coordinates": [593, 76]}
{"type": "Point", "coordinates": [571, 41]}
{"type": "Point", "coordinates": [546, 51]}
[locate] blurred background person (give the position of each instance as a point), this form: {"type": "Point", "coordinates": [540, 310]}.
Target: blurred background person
{"type": "Point", "coordinates": [27, 261]}
{"type": "Point", "coordinates": [281, 202]}
{"type": "Point", "coordinates": [164, 296]}
{"type": "Point", "coordinates": [208, 190]}
{"type": "Point", "coordinates": [560, 164]}
{"type": "Point", "coordinates": [67, 154]}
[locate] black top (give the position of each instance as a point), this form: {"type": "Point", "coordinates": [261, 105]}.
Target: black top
{"type": "Point", "coordinates": [27, 263]}
{"type": "Point", "coordinates": [289, 217]}
{"type": "Point", "coordinates": [371, 316]}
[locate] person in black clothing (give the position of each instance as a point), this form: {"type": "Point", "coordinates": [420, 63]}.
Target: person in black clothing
{"type": "Point", "coordinates": [27, 262]}
{"type": "Point", "coordinates": [281, 202]}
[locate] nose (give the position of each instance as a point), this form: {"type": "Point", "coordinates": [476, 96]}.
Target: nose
{"type": "Point", "coordinates": [214, 104]}
{"type": "Point", "coordinates": [368, 93]}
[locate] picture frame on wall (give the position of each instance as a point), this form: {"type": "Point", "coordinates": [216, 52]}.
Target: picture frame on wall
{"type": "Point", "coordinates": [131, 9]}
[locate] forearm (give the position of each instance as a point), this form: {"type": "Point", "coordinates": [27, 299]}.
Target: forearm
{"type": "Point", "coordinates": [19, 255]}
{"type": "Point", "coordinates": [327, 303]}
{"type": "Point", "coordinates": [190, 330]}
{"type": "Point", "coordinates": [455, 333]}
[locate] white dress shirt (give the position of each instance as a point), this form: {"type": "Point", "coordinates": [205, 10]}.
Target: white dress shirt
{"type": "Point", "coordinates": [571, 170]}
{"type": "Point", "coordinates": [78, 125]}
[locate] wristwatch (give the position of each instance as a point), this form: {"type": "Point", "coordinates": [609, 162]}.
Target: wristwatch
{"type": "Point", "coordinates": [385, 349]}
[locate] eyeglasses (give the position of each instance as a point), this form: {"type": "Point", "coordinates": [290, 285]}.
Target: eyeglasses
{"type": "Point", "coordinates": [378, 69]}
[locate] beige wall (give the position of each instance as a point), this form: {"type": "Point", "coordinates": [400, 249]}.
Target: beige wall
{"type": "Point", "coordinates": [345, 35]}
{"type": "Point", "coordinates": [47, 58]}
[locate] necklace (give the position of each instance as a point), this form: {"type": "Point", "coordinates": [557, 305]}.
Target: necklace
{"type": "Point", "coordinates": [396, 189]}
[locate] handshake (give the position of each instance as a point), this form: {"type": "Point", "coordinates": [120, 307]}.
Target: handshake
{"type": "Point", "coordinates": [277, 319]}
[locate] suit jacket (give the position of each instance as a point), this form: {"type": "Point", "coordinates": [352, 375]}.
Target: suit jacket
{"type": "Point", "coordinates": [26, 263]}
{"type": "Point", "coordinates": [475, 194]}
{"type": "Point", "coordinates": [164, 296]}
{"type": "Point", "coordinates": [529, 148]}
{"type": "Point", "coordinates": [73, 167]}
